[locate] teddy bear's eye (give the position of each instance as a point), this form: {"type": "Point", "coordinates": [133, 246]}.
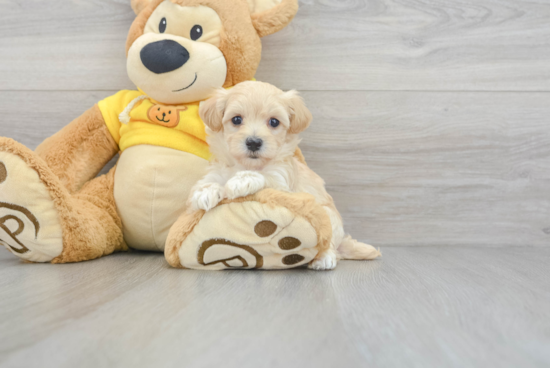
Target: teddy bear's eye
{"type": "Point", "coordinates": [196, 32]}
{"type": "Point", "coordinates": [162, 25]}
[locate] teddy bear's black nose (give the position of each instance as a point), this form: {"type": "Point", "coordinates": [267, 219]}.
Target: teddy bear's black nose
{"type": "Point", "coordinates": [164, 56]}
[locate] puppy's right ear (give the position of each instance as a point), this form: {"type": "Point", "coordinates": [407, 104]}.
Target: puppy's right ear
{"type": "Point", "coordinates": [211, 110]}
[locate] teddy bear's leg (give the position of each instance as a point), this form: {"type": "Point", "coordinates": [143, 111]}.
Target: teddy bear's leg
{"type": "Point", "coordinates": [78, 152]}
{"type": "Point", "coordinates": [40, 221]}
{"type": "Point", "coordinates": [268, 230]}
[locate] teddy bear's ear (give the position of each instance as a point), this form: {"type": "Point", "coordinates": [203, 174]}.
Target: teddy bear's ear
{"type": "Point", "coordinates": [211, 111]}
{"type": "Point", "coordinates": [139, 5]}
{"type": "Point", "coordinates": [270, 16]}
{"type": "Point", "coordinates": [300, 116]}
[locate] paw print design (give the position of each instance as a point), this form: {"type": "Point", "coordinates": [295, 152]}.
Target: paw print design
{"type": "Point", "coordinates": [14, 224]}
{"type": "Point", "coordinates": [249, 235]}
{"type": "Point", "coordinates": [15, 220]}
{"type": "Point", "coordinates": [29, 222]}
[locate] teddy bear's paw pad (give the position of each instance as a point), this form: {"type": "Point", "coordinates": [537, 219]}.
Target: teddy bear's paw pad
{"type": "Point", "coordinates": [29, 222]}
{"type": "Point", "coordinates": [249, 235]}
{"type": "Point", "coordinates": [222, 253]}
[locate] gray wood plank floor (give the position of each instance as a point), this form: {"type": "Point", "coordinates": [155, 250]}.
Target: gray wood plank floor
{"type": "Point", "coordinates": [415, 307]}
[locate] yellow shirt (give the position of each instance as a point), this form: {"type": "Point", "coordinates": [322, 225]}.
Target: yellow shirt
{"type": "Point", "coordinates": [147, 122]}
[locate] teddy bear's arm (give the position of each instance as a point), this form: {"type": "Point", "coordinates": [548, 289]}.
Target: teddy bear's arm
{"type": "Point", "coordinates": [80, 150]}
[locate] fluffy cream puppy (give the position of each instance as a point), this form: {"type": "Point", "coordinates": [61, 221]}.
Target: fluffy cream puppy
{"type": "Point", "coordinates": [253, 134]}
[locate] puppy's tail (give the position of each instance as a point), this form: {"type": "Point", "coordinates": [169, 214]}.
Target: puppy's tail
{"type": "Point", "coordinates": [353, 249]}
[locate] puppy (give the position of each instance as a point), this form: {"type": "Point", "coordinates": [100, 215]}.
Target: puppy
{"type": "Point", "coordinates": [253, 134]}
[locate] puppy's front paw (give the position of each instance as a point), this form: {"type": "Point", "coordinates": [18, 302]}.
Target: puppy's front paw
{"type": "Point", "coordinates": [323, 262]}
{"type": "Point", "coordinates": [208, 197]}
{"type": "Point", "coordinates": [244, 183]}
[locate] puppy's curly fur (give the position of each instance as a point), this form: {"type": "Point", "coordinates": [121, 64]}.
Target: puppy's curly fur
{"type": "Point", "coordinates": [253, 134]}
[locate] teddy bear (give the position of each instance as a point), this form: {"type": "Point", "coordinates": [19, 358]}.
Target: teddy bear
{"type": "Point", "coordinates": [54, 208]}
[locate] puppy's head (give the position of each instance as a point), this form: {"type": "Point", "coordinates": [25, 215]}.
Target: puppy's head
{"type": "Point", "coordinates": [254, 123]}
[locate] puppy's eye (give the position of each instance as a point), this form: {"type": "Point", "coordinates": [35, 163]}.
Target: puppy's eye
{"type": "Point", "coordinates": [237, 120]}
{"type": "Point", "coordinates": [162, 25]}
{"type": "Point", "coordinates": [196, 32]}
{"type": "Point", "coordinates": [274, 122]}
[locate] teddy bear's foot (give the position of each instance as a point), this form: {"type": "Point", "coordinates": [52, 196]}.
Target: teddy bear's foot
{"type": "Point", "coordinates": [269, 230]}
{"type": "Point", "coordinates": [29, 223]}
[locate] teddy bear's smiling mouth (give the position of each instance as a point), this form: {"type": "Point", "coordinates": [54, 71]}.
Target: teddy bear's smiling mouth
{"type": "Point", "coordinates": [179, 90]}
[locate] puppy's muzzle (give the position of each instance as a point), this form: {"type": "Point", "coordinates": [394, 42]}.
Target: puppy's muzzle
{"type": "Point", "coordinates": [164, 56]}
{"type": "Point", "coordinates": [254, 144]}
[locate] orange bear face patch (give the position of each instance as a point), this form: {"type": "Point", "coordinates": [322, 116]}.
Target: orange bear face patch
{"type": "Point", "coordinates": [167, 116]}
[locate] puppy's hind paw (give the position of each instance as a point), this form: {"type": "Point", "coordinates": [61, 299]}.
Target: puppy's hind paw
{"type": "Point", "coordinates": [323, 262]}
{"type": "Point", "coordinates": [208, 197]}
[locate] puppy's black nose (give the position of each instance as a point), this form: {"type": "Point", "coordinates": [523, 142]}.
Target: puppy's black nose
{"type": "Point", "coordinates": [254, 144]}
{"type": "Point", "coordinates": [164, 56]}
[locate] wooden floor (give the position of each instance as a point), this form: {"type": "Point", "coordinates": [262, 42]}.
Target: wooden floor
{"type": "Point", "coordinates": [432, 130]}
{"type": "Point", "coordinates": [416, 307]}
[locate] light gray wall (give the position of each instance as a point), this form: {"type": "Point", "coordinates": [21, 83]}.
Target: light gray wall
{"type": "Point", "coordinates": [432, 119]}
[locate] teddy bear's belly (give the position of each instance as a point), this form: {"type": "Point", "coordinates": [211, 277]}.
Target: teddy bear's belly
{"type": "Point", "coordinates": [151, 189]}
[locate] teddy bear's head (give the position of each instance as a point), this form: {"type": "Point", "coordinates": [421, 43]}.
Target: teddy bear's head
{"type": "Point", "coordinates": [180, 51]}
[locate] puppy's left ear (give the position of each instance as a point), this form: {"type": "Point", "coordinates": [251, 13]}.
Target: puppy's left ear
{"type": "Point", "coordinates": [211, 110]}
{"type": "Point", "coordinates": [300, 116]}
{"type": "Point", "coordinates": [270, 16]}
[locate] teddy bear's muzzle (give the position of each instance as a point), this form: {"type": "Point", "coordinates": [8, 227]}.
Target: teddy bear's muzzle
{"type": "Point", "coordinates": [164, 56]}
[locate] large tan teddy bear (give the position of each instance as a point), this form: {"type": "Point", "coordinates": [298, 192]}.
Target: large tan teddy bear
{"type": "Point", "coordinates": [54, 209]}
